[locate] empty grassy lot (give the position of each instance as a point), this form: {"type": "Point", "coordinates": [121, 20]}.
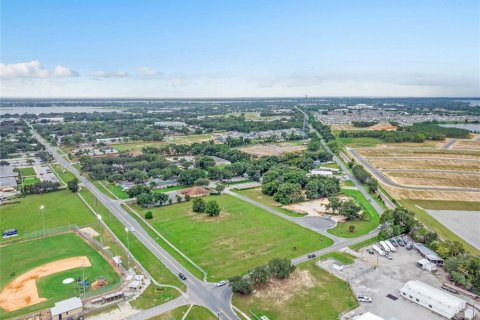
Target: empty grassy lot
{"type": "Point", "coordinates": [341, 257]}
{"type": "Point", "coordinates": [257, 195]}
{"type": "Point", "coordinates": [309, 293]}
{"type": "Point", "coordinates": [19, 258]}
{"type": "Point", "coordinates": [63, 174]}
{"type": "Point", "coordinates": [359, 142]}
{"type": "Point", "coordinates": [154, 296]}
{"type": "Point", "coordinates": [25, 172]}
{"type": "Point", "coordinates": [61, 209]}
{"type": "Point", "coordinates": [361, 226]}
{"type": "Point", "coordinates": [139, 145]}
{"type": "Point", "coordinates": [435, 226]}
{"type": "Point", "coordinates": [242, 237]}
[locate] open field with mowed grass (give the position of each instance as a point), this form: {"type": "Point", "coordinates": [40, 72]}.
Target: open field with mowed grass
{"type": "Point", "coordinates": [359, 142]}
{"type": "Point", "coordinates": [241, 238]}
{"type": "Point", "coordinates": [19, 258]}
{"type": "Point", "coordinates": [257, 195]}
{"type": "Point", "coordinates": [61, 209]}
{"type": "Point", "coordinates": [139, 145]}
{"type": "Point", "coordinates": [28, 171]}
{"type": "Point", "coordinates": [309, 293]}
{"type": "Point", "coordinates": [63, 174]}
{"type": "Point", "coordinates": [361, 226]}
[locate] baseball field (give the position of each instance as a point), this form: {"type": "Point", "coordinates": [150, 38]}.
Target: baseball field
{"type": "Point", "coordinates": [32, 273]}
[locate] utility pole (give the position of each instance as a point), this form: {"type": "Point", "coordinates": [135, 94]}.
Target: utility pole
{"type": "Point", "coordinates": [83, 280]}
{"type": "Point", "coordinates": [128, 249]}
{"type": "Point", "coordinates": [99, 217]}
{"type": "Point", "coordinates": [42, 208]}
{"type": "Point", "coordinates": [305, 119]}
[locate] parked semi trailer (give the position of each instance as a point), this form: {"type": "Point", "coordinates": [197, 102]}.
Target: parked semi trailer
{"type": "Point", "coordinates": [385, 247]}
{"type": "Point", "coordinates": [379, 251]}
{"type": "Point", "coordinates": [391, 246]}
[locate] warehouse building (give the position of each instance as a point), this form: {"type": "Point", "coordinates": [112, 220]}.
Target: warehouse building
{"type": "Point", "coordinates": [432, 298]}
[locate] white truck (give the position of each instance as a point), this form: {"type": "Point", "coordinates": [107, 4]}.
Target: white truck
{"type": "Point", "coordinates": [391, 246]}
{"type": "Point", "coordinates": [385, 246]}
{"type": "Point", "coordinates": [379, 251]}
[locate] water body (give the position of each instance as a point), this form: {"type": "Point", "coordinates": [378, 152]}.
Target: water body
{"type": "Point", "coordinates": [473, 127]}
{"type": "Point", "coordinates": [55, 109]}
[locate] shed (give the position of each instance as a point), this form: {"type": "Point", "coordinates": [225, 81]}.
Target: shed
{"type": "Point", "coordinates": [432, 298]}
{"type": "Point", "coordinates": [426, 265]}
{"type": "Point", "coordinates": [67, 309]}
{"type": "Point", "coordinates": [428, 253]}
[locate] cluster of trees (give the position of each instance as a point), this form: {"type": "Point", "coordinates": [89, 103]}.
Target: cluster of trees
{"type": "Point", "coordinates": [415, 133]}
{"type": "Point", "coordinates": [364, 124]}
{"type": "Point", "coordinates": [463, 268]}
{"type": "Point", "coordinates": [288, 184]}
{"type": "Point", "coordinates": [15, 137]}
{"type": "Point", "coordinates": [240, 124]}
{"type": "Point", "coordinates": [278, 268]}
{"type": "Point", "coordinates": [210, 207]}
{"type": "Point", "coordinates": [322, 129]}
{"type": "Point", "coordinates": [41, 187]}
{"type": "Point", "coordinates": [72, 185]}
{"type": "Point", "coordinates": [364, 177]}
{"type": "Point", "coordinates": [81, 132]}
{"type": "Point", "coordinates": [349, 208]}
{"type": "Point", "coordinates": [125, 167]}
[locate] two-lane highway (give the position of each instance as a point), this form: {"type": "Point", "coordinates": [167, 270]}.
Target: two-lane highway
{"type": "Point", "coordinates": [218, 300]}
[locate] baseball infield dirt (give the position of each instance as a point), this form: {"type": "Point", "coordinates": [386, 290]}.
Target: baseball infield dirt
{"type": "Point", "coordinates": [22, 292]}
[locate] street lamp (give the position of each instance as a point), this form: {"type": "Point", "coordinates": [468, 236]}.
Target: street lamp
{"type": "Point", "coordinates": [99, 217]}
{"type": "Point", "coordinates": [128, 249]}
{"type": "Point", "coordinates": [42, 207]}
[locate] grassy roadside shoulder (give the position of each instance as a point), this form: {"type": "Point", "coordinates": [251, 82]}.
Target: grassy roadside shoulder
{"type": "Point", "coordinates": [156, 269]}
{"type": "Point", "coordinates": [361, 226]}
{"type": "Point", "coordinates": [435, 226]}
{"type": "Point", "coordinates": [197, 273]}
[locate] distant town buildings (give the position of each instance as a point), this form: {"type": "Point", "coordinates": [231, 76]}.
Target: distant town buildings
{"type": "Point", "coordinates": [174, 124]}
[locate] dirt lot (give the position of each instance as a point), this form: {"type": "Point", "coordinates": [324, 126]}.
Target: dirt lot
{"type": "Point", "coordinates": [22, 292]}
{"type": "Point", "coordinates": [439, 163]}
{"type": "Point", "coordinates": [314, 208]}
{"type": "Point", "coordinates": [383, 126]}
{"type": "Point", "coordinates": [275, 149]}
{"type": "Point", "coordinates": [435, 179]}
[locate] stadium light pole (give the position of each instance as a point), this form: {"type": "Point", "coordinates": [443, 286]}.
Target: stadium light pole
{"type": "Point", "coordinates": [128, 249]}
{"type": "Point", "coordinates": [42, 208]}
{"type": "Point", "coordinates": [99, 217]}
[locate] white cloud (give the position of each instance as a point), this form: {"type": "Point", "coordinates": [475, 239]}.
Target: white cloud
{"type": "Point", "coordinates": [145, 71]}
{"type": "Point", "coordinates": [33, 69]}
{"type": "Point", "coordinates": [109, 74]}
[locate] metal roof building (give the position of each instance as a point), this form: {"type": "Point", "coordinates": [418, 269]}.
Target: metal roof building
{"type": "Point", "coordinates": [432, 298]}
{"type": "Point", "coordinates": [428, 253]}
{"type": "Point", "coordinates": [368, 316]}
{"type": "Point", "coordinates": [67, 308]}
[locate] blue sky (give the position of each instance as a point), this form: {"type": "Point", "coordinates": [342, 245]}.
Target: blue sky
{"type": "Point", "coordinates": [239, 48]}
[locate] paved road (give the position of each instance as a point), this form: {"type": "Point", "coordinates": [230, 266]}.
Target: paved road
{"type": "Point", "coordinates": [389, 182]}
{"type": "Point", "coordinates": [215, 299]}
{"type": "Point", "coordinates": [450, 144]}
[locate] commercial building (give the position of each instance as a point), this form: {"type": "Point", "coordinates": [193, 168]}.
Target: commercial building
{"type": "Point", "coordinates": [67, 309]}
{"type": "Point", "coordinates": [433, 299]}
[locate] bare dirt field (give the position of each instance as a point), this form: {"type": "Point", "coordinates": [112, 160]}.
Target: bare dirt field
{"type": "Point", "coordinates": [399, 194]}
{"type": "Point", "coordinates": [275, 149]}
{"type": "Point", "coordinates": [314, 208]}
{"type": "Point", "coordinates": [430, 163]}
{"type": "Point", "coordinates": [436, 179]}
{"type": "Point", "coordinates": [466, 145]}
{"type": "Point", "coordinates": [22, 292]}
{"type": "Point", "coordinates": [383, 127]}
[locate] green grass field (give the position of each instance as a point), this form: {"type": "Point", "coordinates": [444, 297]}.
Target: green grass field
{"type": "Point", "coordinates": [19, 258]}
{"type": "Point", "coordinates": [196, 313]}
{"type": "Point", "coordinates": [61, 209]}
{"type": "Point", "coordinates": [359, 142]}
{"type": "Point", "coordinates": [341, 257]}
{"type": "Point", "coordinates": [347, 183]}
{"type": "Point", "coordinates": [242, 237]}
{"type": "Point", "coordinates": [30, 181]}
{"type": "Point", "coordinates": [257, 195]}
{"type": "Point", "coordinates": [330, 165]}
{"type": "Point", "coordinates": [311, 294]}
{"type": "Point", "coordinates": [435, 226]}
{"type": "Point", "coordinates": [154, 296]}
{"type": "Point", "coordinates": [168, 189]}
{"type": "Point", "coordinates": [25, 172]}
{"type": "Point", "coordinates": [364, 243]}
{"type": "Point", "coordinates": [63, 174]}
{"type": "Point", "coordinates": [361, 226]}
{"type": "Point", "coordinates": [156, 269]}
{"type": "Point", "coordinates": [139, 145]}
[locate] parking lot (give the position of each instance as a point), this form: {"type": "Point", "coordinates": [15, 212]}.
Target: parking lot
{"type": "Point", "coordinates": [382, 284]}
{"type": "Point", "coordinates": [45, 174]}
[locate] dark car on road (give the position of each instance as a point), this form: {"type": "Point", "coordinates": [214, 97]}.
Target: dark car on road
{"type": "Point", "coordinates": [182, 276]}
{"type": "Point", "coordinates": [311, 255]}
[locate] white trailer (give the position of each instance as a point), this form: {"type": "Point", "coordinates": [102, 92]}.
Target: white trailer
{"type": "Point", "coordinates": [391, 246]}
{"type": "Point", "coordinates": [385, 246]}
{"type": "Point", "coordinates": [379, 251]}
